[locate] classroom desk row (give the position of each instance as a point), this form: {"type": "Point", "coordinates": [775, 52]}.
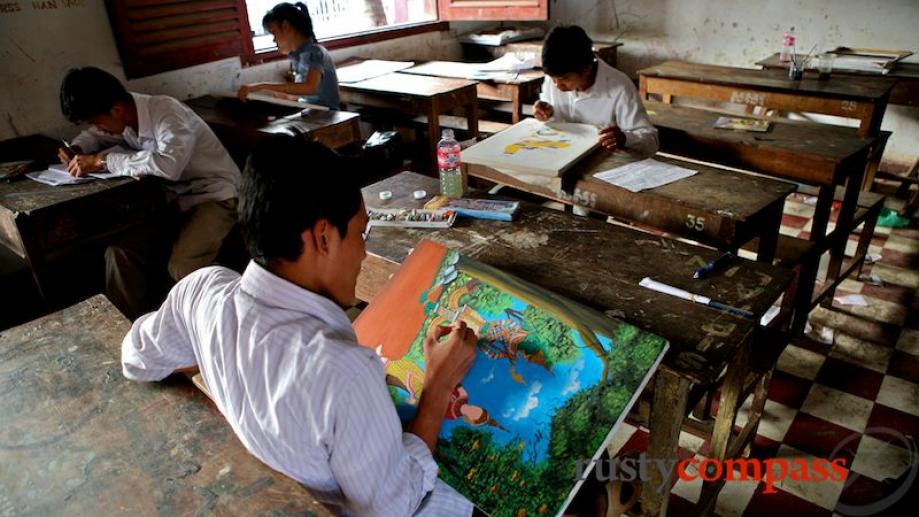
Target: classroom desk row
{"type": "Point", "coordinates": [68, 372]}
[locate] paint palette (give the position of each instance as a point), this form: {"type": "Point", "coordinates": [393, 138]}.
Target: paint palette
{"type": "Point", "coordinates": [411, 217]}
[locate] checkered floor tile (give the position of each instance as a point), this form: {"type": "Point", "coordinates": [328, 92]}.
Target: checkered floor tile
{"type": "Point", "coordinates": [849, 389]}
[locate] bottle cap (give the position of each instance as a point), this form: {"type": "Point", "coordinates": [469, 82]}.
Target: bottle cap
{"type": "Point", "coordinates": [385, 195]}
{"type": "Point", "coordinates": [419, 194]}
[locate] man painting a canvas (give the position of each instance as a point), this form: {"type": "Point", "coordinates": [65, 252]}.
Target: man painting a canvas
{"type": "Point", "coordinates": [282, 362]}
{"type": "Point", "coordinates": [581, 88]}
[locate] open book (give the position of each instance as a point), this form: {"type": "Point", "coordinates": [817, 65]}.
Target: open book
{"type": "Point", "coordinates": [551, 381]}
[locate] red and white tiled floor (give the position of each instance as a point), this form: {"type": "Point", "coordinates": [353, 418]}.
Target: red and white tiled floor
{"type": "Point", "coordinates": [856, 374]}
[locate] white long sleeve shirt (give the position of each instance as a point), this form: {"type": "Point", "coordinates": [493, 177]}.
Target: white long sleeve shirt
{"type": "Point", "coordinates": [283, 366]}
{"type": "Point", "coordinates": [171, 142]}
{"type": "Point", "coordinates": [611, 100]}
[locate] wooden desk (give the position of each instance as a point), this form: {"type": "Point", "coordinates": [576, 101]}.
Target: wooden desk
{"type": "Point", "coordinates": [418, 94]}
{"type": "Point", "coordinates": [523, 87]}
{"type": "Point", "coordinates": [39, 222]}
{"type": "Point", "coordinates": [906, 75]}
{"type": "Point", "coordinates": [240, 124]}
{"type": "Point", "coordinates": [816, 154]}
{"type": "Point", "coordinates": [605, 50]}
{"type": "Point", "coordinates": [864, 99]}
{"type": "Point", "coordinates": [80, 439]}
{"type": "Point", "coordinates": [600, 265]}
{"type": "Point", "coordinates": [720, 208]}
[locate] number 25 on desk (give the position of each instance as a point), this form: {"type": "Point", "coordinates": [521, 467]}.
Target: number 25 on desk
{"type": "Point", "coordinates": [695, 223]}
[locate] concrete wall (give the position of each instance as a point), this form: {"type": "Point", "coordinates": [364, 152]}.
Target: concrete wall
{"type": "Point", "coordinates": [41, 40]}
{"type": "Point", "coordinates": [741, 32]}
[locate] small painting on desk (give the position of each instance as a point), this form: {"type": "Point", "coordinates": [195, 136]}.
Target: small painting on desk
{"type": "Point", "coordinates": [533, 147]}
{"type": "Point", "coordinates": [551, 381]}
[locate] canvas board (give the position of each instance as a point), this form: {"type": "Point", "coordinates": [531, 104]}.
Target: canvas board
{"type": "Point", "coordinates": [551, 381]}
{"type": "Point", "coordinates": [535, 148]}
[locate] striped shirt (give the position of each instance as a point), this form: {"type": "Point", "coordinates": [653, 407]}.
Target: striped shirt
{"type": "Point", "coordinates": [283, 366]}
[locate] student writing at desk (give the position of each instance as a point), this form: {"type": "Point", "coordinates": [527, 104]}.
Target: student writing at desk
{"type": "Point", "coordinates": [160, 137]}
{"type": "Point", "coordinates": [315, 79]}
{"type": "Point", "coordinates": [581, 88]}
{"type": "Point", "coordinates": [280, 358]}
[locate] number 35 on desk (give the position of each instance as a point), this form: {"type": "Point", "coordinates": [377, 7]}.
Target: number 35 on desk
{"type": "Point", "coordinates": [695, 223]}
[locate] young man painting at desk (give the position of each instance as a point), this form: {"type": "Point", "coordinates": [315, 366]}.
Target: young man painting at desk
{"type": "Point", "coordinates": [159, 136]}
{"type": "Point", "coordinates": [280, 358]}
{"type": "Point", "coordinates": [581, 88]}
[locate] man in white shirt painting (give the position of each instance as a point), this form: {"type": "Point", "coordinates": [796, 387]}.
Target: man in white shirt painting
{"type": "Point", "coordinates": [581, 88]}
{"type": "Point", "coordinates": [278, 353]}
{"type": "Point", "coordinates": [158, 136]}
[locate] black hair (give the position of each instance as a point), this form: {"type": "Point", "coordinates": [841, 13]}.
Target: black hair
{"type": "Point", "coordinates": [296, 15]}
{"type": "Point", "coordinates": [288, 185]}
{"type": "Point", "coordinates": [88, 92]}
{"type": "Point", "coordinates": [566, 49]}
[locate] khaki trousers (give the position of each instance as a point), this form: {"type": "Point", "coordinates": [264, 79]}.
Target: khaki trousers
{"type": "Point", "coordinates": [140, 269]}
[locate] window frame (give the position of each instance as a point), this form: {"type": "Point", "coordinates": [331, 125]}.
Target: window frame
{"type": "Point", "coordinates": [352, 40]}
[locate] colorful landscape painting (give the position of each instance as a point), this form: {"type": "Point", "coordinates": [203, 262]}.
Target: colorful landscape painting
{"type": "Point", "coordinates": [551, 380]}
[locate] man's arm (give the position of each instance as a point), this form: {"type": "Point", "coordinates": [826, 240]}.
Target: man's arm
{"type": "Point", "coordinates": [159, 343]}
{"type": "Point", "coordinates": [640, 134]}
{"type": "Point", "coordinates": [381, 470]}
{"type": "Point", "coordinates": [91, 140]}
{"type": "Point", "coordinates": [175, 143]}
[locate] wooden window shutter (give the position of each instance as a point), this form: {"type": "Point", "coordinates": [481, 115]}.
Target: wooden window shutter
{"type": "Point", "coordinates": [159, 35]}
{"type": "Point", "coordinates": [504, 10]}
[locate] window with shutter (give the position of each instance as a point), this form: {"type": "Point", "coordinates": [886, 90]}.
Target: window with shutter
{"type": "Point", "coordinates": [504, 10]}
{"type": "Point", "coordinates": [155, 36]}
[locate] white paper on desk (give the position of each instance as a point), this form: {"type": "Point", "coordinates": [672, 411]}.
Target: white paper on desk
{"type": "Point", "coordinates": [368, 69]}
{"type": "Point", "coordinates": [644, 174]}
{"type": "Point", "coordinates": [56, 177]}
{"type": "Point", "coordinates": [102, 175]}
{"type": "Point", "coordinates": [510, 62]}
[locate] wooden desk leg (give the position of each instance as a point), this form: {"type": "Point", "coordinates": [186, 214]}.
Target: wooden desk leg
{"type": "Point", "coordinates": [822, 212]}
{"type": "Point", "coordinates": [731, 392]}
{"type": "Point", "coordinates": [842, 231]}
{"type": "Point", "coordinates": [433, 139]}
{"type": "Point", "coordinates": [668, 409]}
{"type": "Point", "coordinates": [472, 117]}
{"type": "Point", "coordinates": [34, 257]}
{"type": "Point", "coordinates": [769, 238]}
{"type": "Point", "coordinates": [517, 112]}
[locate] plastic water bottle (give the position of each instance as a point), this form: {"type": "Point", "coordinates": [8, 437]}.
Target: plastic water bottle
{"type": "Point", "coordinates": [448, 163]}
{"type": "Point", "coordinates": [788, 45]}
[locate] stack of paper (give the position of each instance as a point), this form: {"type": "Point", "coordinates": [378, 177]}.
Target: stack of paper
{"type": "Point", "coordinates": [644, 174]}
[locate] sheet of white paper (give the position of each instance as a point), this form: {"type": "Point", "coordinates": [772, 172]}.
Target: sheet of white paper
{"type": "Point", "coordinates": [56, 177]}
{"type": "Point", "coordinates": [509, 63]}
{"type": "Point", "coordinates": [644, 174]}
{"type": "Point", "coordinates": [856, 300]}
{"type": "Point", "coordinates": [356, 72]}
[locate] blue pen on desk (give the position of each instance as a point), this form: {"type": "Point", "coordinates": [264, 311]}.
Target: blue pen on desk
{"type": "Point", "coordinates": [714, 265]}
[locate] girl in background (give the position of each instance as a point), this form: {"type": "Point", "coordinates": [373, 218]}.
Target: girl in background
{"type": "Point", "coordinates": [315, 80]}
